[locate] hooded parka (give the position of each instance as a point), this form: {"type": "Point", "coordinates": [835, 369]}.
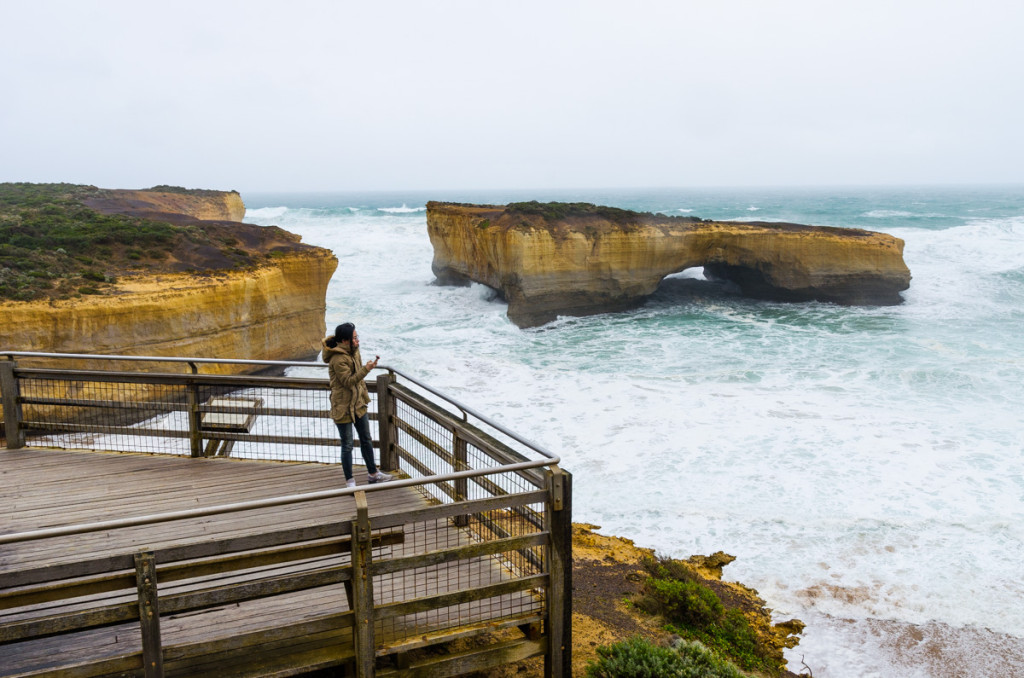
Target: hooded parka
{"type": "Point", "coordinates": [349, 397]}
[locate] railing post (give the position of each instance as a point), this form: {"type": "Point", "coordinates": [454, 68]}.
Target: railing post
{"type": "Point", "coordinates": [558, 517]}
{"type": "Point", "coordinates": [15, 435]}
{"type": "Point", "coordinates": [362, 590]}
{"type": "Point", "coordinates": [195, 436]}
{"type": "Point", "coordinates": [460, 449]}
{"type": "Point", "coordinates": [385, 423]}
{"type": "Point", "coordinates": [149, 614]}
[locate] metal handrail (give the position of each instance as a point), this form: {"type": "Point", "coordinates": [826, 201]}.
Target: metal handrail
{"type": "Point", "coordinates": [289, 363]}
{"type": "Point", "coordinates": [487, 420]}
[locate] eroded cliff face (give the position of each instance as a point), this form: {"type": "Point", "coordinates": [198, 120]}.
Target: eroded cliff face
{"type": "Point", "coordinates": [274, 312]}
{"type": "Point", "coordinates": [579, 265]}
{"type": "Point", "coordinates": [205, 205]}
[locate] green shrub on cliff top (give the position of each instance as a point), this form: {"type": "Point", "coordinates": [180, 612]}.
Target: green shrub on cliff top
{"type": "Point", "coordinates": [693, 610]}
{"type": "Point", "coordinates": [553, 211]}
{"type": "Point", "coordinates": [639, 658]}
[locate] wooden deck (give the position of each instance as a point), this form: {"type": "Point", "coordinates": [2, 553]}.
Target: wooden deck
{"type": "Point", "coordinates": [49, 488]}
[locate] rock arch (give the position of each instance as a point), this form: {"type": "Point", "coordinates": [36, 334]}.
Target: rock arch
{"type": "Point", "coordinates": [557, 259]}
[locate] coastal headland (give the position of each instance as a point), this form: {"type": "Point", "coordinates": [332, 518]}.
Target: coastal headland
{"type": "Point", "coordinates": [162, 271]}
{"type": "Point", "coordinates": [551, 259]}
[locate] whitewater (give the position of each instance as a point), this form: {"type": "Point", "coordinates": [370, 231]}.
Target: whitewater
{"type": "Point", "coordinates": [864, 464]}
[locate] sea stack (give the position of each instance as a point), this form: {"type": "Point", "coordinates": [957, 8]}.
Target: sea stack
{"type": "Point", "coordinates": [551, 259]}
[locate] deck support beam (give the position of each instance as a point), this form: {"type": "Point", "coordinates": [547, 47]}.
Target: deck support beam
{"type": "Point", "coordinates": [386, 431]}
{"type": "Point", "coordinates": [149, 614]}
{"type": "Point", "coordinates": [558, 519]}
{"type": "Point", "coordinates": [12, 407]}
{"type": "Point", "coordinates": [362, 590]}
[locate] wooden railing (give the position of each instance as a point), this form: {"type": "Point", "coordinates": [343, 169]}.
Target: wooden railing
{"type": "Point", "coordinates": [506, 497]}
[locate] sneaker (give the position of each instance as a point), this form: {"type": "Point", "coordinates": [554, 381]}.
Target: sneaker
{"type": "Point", "coordinates": [351, 482]}
{"type": "Point", "coordinates": [379, 477]}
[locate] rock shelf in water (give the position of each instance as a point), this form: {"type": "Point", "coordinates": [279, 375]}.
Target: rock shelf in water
{"type": "Point", "coordinates": [551, 259]}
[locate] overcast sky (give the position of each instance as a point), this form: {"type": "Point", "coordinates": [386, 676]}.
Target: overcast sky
{"type": "Point", "coordinates": [456, 95]}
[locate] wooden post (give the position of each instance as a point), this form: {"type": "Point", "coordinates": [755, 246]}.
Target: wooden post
{"type": "Point", "coordinates": [558, 517]}
{"type": "Point", "coordinates": [14, 434]}
{"type": "Point", "coordinates": [362, 590]}
{"type": "Point", "coordinates": [385, 423]}
{"type": "Point", "coordinates": [195, 436]}
{"type": "Point", "coordinates": [461, 484]}
{"type": "Point", "coordinates": [149, 614]}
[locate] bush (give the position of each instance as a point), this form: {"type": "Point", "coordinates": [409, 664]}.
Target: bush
{"type": "Point", "coordinates": [693, 610]}
{"type": "Point", "coordinates": [682, 602]}
{"type": "Point", "coordinates": [639, 658]}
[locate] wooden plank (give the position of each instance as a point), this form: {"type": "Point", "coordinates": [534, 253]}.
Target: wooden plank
{"type": "Point", "coordinates": [458, 553]}
{"type": "Point", "coordinates": [443, 511]}
{"type": "Point", "coordinates": [463, 631]}
{"type": "Point", "coordinates": [468, 661]}
{"type": "Point", "coordinates": [448, 599]}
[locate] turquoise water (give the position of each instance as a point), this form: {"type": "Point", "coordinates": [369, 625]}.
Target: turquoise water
{"type": "Point", "coordinates": [865, 465]}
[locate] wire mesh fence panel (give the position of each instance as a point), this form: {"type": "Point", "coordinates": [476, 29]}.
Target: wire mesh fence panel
{"type": "Point", "coordinates": [265, 422]}
{"type": "Point", "coordinates": [271, 423]}
{"type": "Point", "coordinates": [460, 574]}
{"type": "Point", "coordinates": [103, 415]}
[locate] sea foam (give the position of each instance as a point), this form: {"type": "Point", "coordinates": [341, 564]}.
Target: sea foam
{"type": "Point", "coordinates": [863, 464]}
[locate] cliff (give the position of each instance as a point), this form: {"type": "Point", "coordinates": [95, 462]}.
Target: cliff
{"type": "Point", "coordinates": [205, 286]}
{"type": "Point", "coordinates": [170, 205]}
{"type": "Point", "coordinates": [558, 259]}
{"type": "Point", "coordinates": [609, 581]}
{"type": "Point", "coordinates": [273, 312]}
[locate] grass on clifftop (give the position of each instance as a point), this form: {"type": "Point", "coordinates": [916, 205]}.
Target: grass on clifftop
{"type": "Point", "coordinates": [640, 658]}
{"type": "Point", "coordinates": [554, 211]}
{"type": "Point", "coordinates": [52, 246]}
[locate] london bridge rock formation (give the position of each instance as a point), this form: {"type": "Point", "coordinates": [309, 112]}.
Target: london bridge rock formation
{"type": "Point", "coordinates": [578, 259]}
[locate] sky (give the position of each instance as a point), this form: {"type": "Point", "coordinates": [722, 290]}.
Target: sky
{"type": "Point", "coordinates": [336, 96]}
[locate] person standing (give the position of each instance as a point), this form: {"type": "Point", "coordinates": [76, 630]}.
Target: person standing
{"type": "Point", "coordinates": [350, 399]}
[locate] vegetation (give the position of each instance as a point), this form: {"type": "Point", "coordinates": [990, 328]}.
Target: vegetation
{"type": "Point", "coordinates": [693, 610]}
{"type": "Point", "coordinates": [201, 192]}
{"type": "Point", "coordinates": [53, 246]}
{"type": "Point", "coordinates": [553, 211]}
{"type": "Point", "coordinates": [639, 658]}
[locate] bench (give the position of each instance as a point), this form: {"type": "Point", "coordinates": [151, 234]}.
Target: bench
{"type": "Point", "coordinates": [227, 422]}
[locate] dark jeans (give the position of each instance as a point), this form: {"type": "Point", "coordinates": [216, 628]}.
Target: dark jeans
{"type": "Point", "coordinates": [365, 445]}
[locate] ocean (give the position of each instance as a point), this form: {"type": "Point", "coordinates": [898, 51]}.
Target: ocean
{"type": "Point", "coordinates": [865, 465]}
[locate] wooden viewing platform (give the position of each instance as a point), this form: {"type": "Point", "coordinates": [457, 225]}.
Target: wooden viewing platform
{"type": "Point", "coordinates": [152, 564]}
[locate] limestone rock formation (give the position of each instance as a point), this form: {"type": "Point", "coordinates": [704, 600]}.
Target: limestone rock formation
{"type": "Point", "coordinates": [197, 305]}
{"type": "Point", "coordinates": [275, 312]}
{"type": "Point", "coordinates": [558, 259]}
